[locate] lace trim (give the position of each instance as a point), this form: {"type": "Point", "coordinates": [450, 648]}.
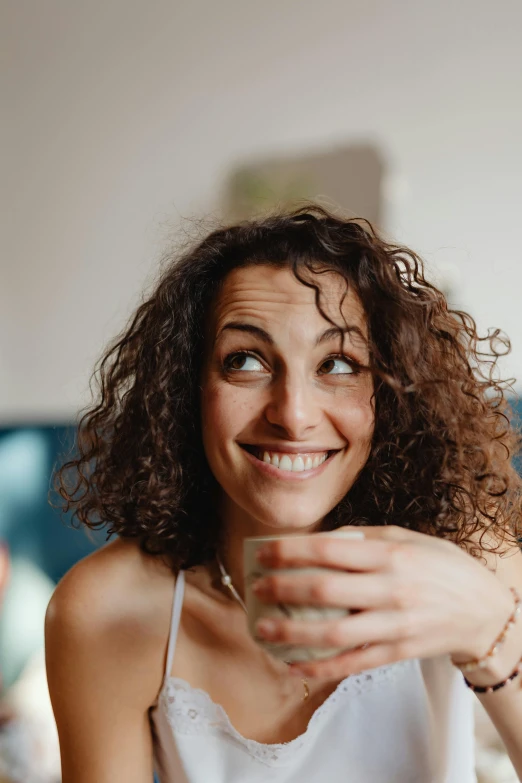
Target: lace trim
{"type": "Point", "coordinates": [191, 711]}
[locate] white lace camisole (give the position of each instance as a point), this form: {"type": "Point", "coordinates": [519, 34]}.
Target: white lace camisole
{"type": "Point", "coordinates": [408, 722]}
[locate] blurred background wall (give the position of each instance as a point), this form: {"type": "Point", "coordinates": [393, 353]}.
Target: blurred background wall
{"type": "Point", "coordinates": [122, 118]}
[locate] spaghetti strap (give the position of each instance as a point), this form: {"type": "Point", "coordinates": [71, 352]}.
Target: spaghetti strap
{"type": "Point", "coordinates": [174, 623]}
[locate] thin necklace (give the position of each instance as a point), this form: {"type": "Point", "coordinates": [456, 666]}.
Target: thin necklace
{"type": "Point", "coordinates": [226, 580]}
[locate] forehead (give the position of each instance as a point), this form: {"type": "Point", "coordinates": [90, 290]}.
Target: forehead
{"type": "Point", "coordinates": [274, 293]}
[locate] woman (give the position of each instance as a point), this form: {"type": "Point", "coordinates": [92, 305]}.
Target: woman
{"type": "Point", "coordinates": [291, 375]}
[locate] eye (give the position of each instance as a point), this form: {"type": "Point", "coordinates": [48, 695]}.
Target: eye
{"type": "Point", "coordinates": [338, 365]}
{"type": "Point", "coordinates": [243, 362]}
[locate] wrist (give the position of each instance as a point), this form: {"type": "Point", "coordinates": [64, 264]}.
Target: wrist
{"type": "Point", "coordinates": [490, 639]}
{"type": "Point", "coordinates": [500, 665]}
{"type": "Point", "coordinates": [493, 687]}
{"type": "Point", "coordinates": [495, 672]}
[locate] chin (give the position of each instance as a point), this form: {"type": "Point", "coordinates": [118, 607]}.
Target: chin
{"type": "Point", "coordinates": [288, 519]}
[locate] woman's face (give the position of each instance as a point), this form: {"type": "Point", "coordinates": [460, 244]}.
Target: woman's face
{"type": "Point", "coordinates": [287, 419]}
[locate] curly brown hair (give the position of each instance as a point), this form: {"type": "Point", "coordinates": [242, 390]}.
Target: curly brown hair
{"type": "Point", "coordinates": [444, 438]}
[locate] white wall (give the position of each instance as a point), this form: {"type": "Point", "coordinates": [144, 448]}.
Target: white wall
{"type": "Point", "coordinates": [123, 117]}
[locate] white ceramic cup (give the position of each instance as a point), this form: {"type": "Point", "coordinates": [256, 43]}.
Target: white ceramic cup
{"type": "Point", "coordinates": [253, 570]}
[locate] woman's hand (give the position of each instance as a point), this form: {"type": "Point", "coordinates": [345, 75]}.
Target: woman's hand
{"type": "Point", "coordinates": [419, 597]}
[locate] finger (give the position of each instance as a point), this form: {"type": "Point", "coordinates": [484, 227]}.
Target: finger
{"type": "Point", "coordinates": [347, 633]}
{"type": "Point", "coordinates": [385, 532]}
{"type": "Point", "coordinates": [352, 662]}
{"type": "Point", "coordinates": [399, 534]}
{"type": "Point", "coordinates": [301, 551]}
{"type": "Point", "coordinates": [330, 588]}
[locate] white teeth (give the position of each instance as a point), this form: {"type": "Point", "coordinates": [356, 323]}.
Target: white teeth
{"type": "Point", "coordinates": [285, 463]}
{"type": "Point", "coordinates": [289, 462]}
{"type": "Point", "coordinates": [298, 465]}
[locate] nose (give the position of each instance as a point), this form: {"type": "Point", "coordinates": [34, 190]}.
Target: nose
{"type": "Point", "coordinates": [293, 408]}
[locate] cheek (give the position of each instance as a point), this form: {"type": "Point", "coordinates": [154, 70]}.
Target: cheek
{"type": "Point", "coordinates": [356, 421]}
{"type": "Point", "coordinates": [224, 412]}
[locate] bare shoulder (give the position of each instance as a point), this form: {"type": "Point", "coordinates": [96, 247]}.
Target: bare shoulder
{"type": "Point", "coordinates": [106, 632]}
{"type": "Point", "coordinates": [117, 586]}
{"type": "Point", "coordinates": [113, 596]}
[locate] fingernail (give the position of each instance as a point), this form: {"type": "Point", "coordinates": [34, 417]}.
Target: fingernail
{"type": "Point", "coordinates": [266, 628]}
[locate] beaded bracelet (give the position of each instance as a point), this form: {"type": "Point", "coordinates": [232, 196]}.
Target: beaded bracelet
{"type": "Point", "coordinates": [481, 663]}
{"type": "Point", "coordinates": [492, 688]}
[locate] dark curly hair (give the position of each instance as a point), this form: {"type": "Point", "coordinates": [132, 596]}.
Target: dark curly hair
{"type": "Point", "coordinates": [444, 438]}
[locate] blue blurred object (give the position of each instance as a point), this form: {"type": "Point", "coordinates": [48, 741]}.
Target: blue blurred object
{"type": "Point", "coordinates": [42, 545]}
{"type": "Point", "coordinates": [32, 528]}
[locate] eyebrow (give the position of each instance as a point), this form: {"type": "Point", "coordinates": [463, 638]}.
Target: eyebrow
{"type": "Point", "coordinates": [328, 334]}
{"type": "Point", "coordinates": [338, 331]}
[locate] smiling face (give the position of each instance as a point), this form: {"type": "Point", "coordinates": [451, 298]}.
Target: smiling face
{"type": "Point", "coordinates": [287, 413]}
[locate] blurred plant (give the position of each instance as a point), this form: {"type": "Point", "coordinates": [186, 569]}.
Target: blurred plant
{"type": "Point", "coordinates": [253, 193]}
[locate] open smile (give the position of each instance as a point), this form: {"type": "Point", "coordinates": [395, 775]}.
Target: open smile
{"type": "Point", "coordinates": [305, 462]}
